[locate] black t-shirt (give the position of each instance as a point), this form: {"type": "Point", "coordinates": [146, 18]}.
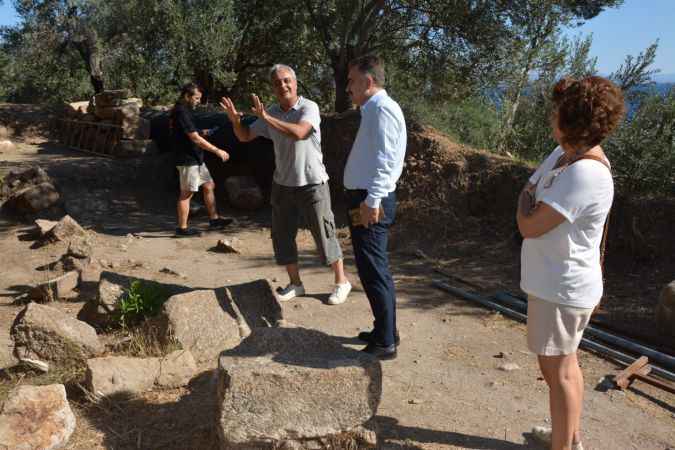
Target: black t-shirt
{"type": "Point", "coordinates": [181, 123]}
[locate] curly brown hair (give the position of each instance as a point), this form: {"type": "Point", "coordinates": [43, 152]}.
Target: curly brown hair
{"type": "Point", "coordinates": [587, 110]}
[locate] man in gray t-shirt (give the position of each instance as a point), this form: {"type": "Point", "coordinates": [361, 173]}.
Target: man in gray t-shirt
{"type": "Point", "coordinates": [300, 185]}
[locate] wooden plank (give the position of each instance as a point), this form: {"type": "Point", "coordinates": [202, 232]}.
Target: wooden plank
{"type": "Point", "coordinates": [622, 380]}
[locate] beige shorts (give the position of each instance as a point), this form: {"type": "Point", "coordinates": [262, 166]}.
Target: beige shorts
{"type": "Point", "coordinates": [554, 329]}
{"type": "Point", "coordinates": [191, 177]}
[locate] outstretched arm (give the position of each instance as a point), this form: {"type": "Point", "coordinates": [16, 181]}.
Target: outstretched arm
{"type": "Point", "coordinates": [242, 131]}
{"type": "Point", "coordinates": [297, 131]}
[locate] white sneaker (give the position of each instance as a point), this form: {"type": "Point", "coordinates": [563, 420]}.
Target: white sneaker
{"type": "Point", "coordinates": [340, 293]}
{"type": "Point", "coordinates": [290, 291]}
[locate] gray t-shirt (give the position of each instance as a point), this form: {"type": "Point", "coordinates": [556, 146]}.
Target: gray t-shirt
{"type": "Point", "coordinates": [298, 163]}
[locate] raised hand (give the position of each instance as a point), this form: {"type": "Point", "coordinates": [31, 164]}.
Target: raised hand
{"type": "Point", "coordinates": [258, 108]}
{"type": "Point", "coordinates": [231, 110]}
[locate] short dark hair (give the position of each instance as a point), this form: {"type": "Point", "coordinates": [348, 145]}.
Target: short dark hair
{"type": "Point", "coordinates": [587, 110]}
{"type": "Point", "coordinates": [372, 65]}
{"type": "Point", "coordinates": [189, 89]}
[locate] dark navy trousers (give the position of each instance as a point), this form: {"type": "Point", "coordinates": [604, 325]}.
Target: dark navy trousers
{"type": "Point", "coordinates": [372, 263]}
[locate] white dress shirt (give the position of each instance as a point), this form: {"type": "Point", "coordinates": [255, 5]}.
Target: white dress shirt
{"type": "Point", "coordinates": [376, 160]}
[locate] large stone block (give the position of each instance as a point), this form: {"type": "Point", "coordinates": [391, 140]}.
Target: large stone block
{"type": "Point", "coordinates": [111, 97]}
{"type": "Point", "coordinates": [45, 333]}
{"type": "Point", "coordinates": [7, 358]}
{"type": "Point", "coordinates": [36, 418]}
{"type": "Point", "coordinates": [116, 374]}
{"type": "Point", "coordinates": [202, 322]}
{"type": "Point", "coordinates": [293, 384]}
{"type": "Point", "coordinates": [135, 148]}
{"type": "Point", "coordinates": [665, 311]}
{"type": "Point", "coordinates": [255, 303]}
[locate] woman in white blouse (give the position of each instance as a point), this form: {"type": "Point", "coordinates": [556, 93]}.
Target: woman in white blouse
{"type": "Point", "coordinates": [562, 214]}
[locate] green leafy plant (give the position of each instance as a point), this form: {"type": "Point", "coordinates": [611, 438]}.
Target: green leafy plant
{"type": "Point", "coordinates": [141, 300]}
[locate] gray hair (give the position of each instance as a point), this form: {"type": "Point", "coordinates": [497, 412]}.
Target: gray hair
{"type": "Point", "coordinates": [277, 67]}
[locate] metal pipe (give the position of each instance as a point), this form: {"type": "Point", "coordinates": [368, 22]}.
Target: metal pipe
{"type": "Point", "coordinates": [667, 361]}
{"type": "Point", "coordinates": [585, 343]}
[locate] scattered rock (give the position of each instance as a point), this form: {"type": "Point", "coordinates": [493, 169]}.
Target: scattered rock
{"type": "Point", "coordinates": [226, 246]}
{"type": "Point", "coordinates": [665, 310]}
{"type": "Point", "coordinates": [45, 333]}
{"type": "Point", "coordinates": [56, 288]}
{"type": "Point", "coordinates": [415, 401]}
{"type": "Point", "coordinates": [168, 271]}
{"type": "Point", "coordinates": [314, 371]}
{"type": "Point", "coordinates": [508, 367]}
{"type": "Point", "coordinates": [202, 323]}
{"type": "Point", "coordinates": [69, 263]}
{"type": "Point", "coordinates": [80, 247]}
{"type": "Point", "coordinates": [66, 229]}
{"type": "Point", "coordinates": [45, 226]}
{"type": "Point", "coordinates": [6, 146]}
{"type": "Point", "coordinates": [36, 418]}
{"type": "Point", "coordinates": [244, 193]}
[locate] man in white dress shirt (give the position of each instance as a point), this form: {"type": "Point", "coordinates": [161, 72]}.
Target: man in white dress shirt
{"type": "Point", "coordinates": [373, 168]}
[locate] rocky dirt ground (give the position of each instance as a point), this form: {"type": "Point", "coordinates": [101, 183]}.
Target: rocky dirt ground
{"type": "Point", "coordinates": [446, 389]}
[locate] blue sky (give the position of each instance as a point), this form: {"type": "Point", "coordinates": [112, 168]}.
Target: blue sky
{"type": "Point", "coordinates": [630, 29]}
{"type": "Point", "coordinates": [616, 32]}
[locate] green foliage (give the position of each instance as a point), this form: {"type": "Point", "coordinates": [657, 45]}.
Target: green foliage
{"type": "Point", "coordinates": [473, 121]}
{"type": "Point", "coordinates": [643, 150]}
{"type": "Point", "coordinates": [140, 301]}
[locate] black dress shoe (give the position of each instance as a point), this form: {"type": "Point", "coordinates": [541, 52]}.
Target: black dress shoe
{"type": "Point", "coordinates": [366, 336]}
{"type": "Point", "coordinates": [380, 352]}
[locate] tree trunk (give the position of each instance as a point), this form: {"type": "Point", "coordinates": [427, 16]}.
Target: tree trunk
{"type": "Point", "coordinates": [340, 64]}
{"type": "Point", "coordinates": [86, 43]}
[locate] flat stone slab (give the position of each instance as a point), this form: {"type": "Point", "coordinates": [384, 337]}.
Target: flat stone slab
{"type": "Point", "coordinates": [293, 384]}
{"type": "Point", "coordinates": [202, 322]}
{"type": "Point", "coordinates": [256, 303]}
{"type": "Point", "coordinates": [115, 374]}
{"type": "Point", "coordinates": [36, 418]}
{"type": "Point", "coordinates": [56, 288]}
{"type": "Point", "coordinates": [45, 333]}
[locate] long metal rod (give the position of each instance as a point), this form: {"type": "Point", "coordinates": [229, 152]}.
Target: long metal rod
{"type": "Point", "coordinates": [585, 343]}
{"type": "Point", "coordinates": [667, 361]}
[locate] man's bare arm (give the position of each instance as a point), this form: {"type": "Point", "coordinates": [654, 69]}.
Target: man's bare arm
{"type": "Point", "coordinates": [242, 132]}
{"type": "Point", "coordinates": [209, 147]}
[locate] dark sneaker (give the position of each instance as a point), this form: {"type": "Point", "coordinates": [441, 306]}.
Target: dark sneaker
{"type": "Point", "coordinates": [380, 352]}
{"type": "Point", "coordinates": [366, 336]}
{"type": "Point", "coordinates": [186, 232]}
{"type": "Point", "coordinates": [219, 223]}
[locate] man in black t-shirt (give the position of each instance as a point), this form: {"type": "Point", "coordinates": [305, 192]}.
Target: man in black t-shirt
{"type": "Point", "coordinates": [189, 148]}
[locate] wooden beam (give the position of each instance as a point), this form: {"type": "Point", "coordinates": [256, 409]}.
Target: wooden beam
{"type": "Point", "coordinates": [622, 380]}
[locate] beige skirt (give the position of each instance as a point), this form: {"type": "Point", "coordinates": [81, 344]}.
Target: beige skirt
{"type": "Point", "coordinates": [554, 329]}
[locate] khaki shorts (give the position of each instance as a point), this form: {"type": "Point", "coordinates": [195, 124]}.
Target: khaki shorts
{"type": "Point", "coordinates": [554, 329]}
{"type": "Point", "coordinates": [192, 177]}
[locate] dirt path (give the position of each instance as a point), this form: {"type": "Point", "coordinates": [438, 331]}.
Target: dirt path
{"type": "Point", "coordinates": [444, 391]}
